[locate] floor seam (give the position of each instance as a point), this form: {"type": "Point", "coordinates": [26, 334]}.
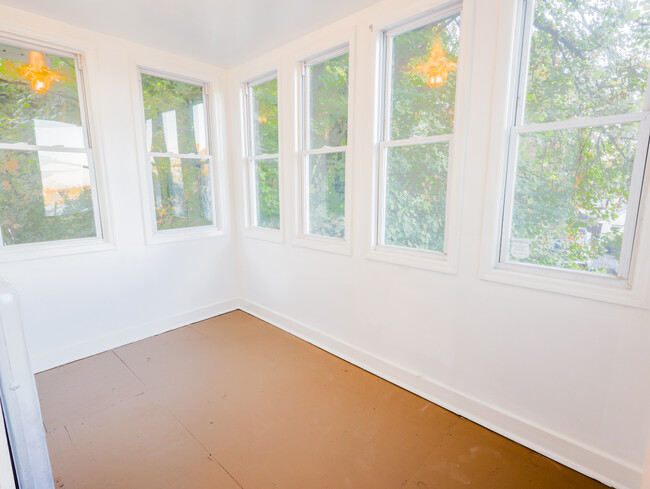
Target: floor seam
{"type": "Point", "coordinates": [130, 369]}
{"type": "Point", "coordinates": [207, 450]}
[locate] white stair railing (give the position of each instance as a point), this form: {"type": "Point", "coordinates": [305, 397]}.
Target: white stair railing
{"type": "Point", "coordinates": [20, 404]}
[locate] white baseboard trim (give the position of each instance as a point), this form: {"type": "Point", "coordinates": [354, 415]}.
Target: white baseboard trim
{"type": "Point", "coordinates": [590, 461]}
{"type": "Point", "coordinates": [124, 336]}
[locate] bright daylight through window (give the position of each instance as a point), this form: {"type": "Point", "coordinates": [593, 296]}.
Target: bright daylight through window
{"type": "Point", "coordinates": [418, 126]}
{"type": "Point", "coordinates": [262, 152]}
{"type": "Point", "coordinates": [46, 180]}
{"type": "Point", "coordinates": [325, 137]}
{"type": "Point", "coordinates": [178, 150]}
{"type": "Point", "coordinates": [579, 142]}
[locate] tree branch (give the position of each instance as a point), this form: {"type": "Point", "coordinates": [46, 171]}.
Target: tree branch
{"type": "Point", "coordinates": [25, 84]}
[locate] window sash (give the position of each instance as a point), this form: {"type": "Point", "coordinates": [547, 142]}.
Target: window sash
{"type": "Point", "coordinates": [387, 79]}
{"type": "Point", "coordinates": [385, 141]}
{"type": "Point", "coordinates": [384, 146]}
{"type": "Point", "coordinates": [305, 142]}
{"type": "Point", "coordinates": [517, 128]}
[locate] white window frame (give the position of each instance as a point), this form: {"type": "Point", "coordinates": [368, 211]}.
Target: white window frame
{"type": "Point", "coordinates": [102, 241]}
{"type": "Point", "coordinates": [154, 235]}
{"type": "Point", "coordinates": [629, 288]}
{"type": "Point", "coordinates": [518, 127]}
{"type": "Point", "coordinates": [252, 226]}
{"type": "Point", "coordinates": [447, 260]}
{"type": "Point", "coordinates": [304, 238]}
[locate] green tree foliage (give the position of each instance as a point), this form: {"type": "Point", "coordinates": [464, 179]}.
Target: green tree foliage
{"type": "Point", "coordinates": [416, 175]}
{"type": "Point", "coordinates": [588, 58]}
{"type": "Point", "coordinates": [29, 211]}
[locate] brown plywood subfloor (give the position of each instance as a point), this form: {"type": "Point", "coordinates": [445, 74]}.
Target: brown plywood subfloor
{"type": "Point", "coordinates": [233, 402]}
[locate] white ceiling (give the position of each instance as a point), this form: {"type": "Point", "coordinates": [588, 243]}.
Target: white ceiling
{"type": "Point", "coordinates": [223, 32]}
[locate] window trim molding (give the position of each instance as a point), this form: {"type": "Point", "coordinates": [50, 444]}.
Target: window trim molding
{"type": "Point", "coordinates": [323, 51]}
{"type": "Point", "coordinates": [85, 68]}
{"type": "Point", "coordinates": [249, 160]}
{"type": "Point", "coordinates": [447, 260]}
{"type": "Point", "coordinates": [153, 236]}
{"type": "Point", "coordinates": [635, 291]}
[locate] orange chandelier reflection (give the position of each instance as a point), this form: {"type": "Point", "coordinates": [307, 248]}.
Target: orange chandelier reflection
{"type": "Point", "coordinates": [37, 73]}
{"type": "Point", "coordinates": [437, 67]}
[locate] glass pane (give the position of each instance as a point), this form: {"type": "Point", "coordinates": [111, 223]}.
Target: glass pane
{"type": "Point", "coordinates": [327, 194]}
{"type": "Point", "coordinates": [328, 89]}
{"type": "Point", "coordinates": [416, 196]}
{"type": "Point", "coordinates": [423, 79]}
{"type": "Point", "coordinates": [588, 58]}
{"type": "Point", "coordinates": [570, 200]}
{"type": "Point", "coordinates": [264, 105]}
{"type": "Point", "coordinates": [39, 100]}
{"type": "Point", "coordinates": [174, 116]}
{"type": "Point", "coordinates": [182, 192]}
{"type": "Point", "coordinates": [267, 193]}
{"type": "Point", "coordinates": [45, 196]}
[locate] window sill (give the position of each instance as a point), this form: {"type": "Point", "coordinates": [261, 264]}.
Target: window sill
{"type": "Point", "coordinates": [323, 243]}
{"type": "Point", "coordinates": [568, 282]}
{"type": "Point", "coordinates": [52, 249]}
{"type": "Point", "coordinates": [264, 234]}
{"type": "Point", "coordinates": [184, 234]}
{"type": "Point", "coordinates": [424, 260]}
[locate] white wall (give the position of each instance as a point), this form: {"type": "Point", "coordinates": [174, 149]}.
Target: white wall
{"type": "Point", "coordinates": [565, 375]}
{"type": "Point", "coordinates": [80, 304]}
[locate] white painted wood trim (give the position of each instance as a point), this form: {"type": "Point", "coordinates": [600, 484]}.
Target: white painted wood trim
{"type": "Point", "coordinates": [588, 460]}
{"type": "Point", "coordinates": [129, 334]}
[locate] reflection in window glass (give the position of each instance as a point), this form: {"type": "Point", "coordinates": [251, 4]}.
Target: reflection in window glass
{"type": "Point", "coordinates": [182, 192]}
{"type": "Point", "coordinates": [46, 188]}
{"type": "Point", "coordinates": [570, 204]}
{"type": "Point", "coordinates": [328, 89]}
{"type": "Point", "coordinates": [176, 132]}
{"type": "Point", "coordinates": [327, 194]}
{"type": "Point", "coordinates": [416, 108]}
{"type": "Point", "coordinates": [177, 115]}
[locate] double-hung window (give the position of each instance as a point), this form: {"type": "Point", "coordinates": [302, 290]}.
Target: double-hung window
{"type": "Point", "coordinates": [417, 131]}
{"type": "Point", "coordinates": [178, 151]}
{"type": "Point", "coordinates": [578, 143]}
{"type": "Point", "coordinates": [324, 144]}
{"type": "Point", "coordinates": [47, 183]}
{"type": "Point", "coordinates": [262, 151]}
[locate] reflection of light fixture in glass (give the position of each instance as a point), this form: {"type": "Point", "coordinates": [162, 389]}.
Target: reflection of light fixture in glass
{"type": "Point", "coordinates": [37, 72]}
{"type": "Point", "coordinates": [437, 67]}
